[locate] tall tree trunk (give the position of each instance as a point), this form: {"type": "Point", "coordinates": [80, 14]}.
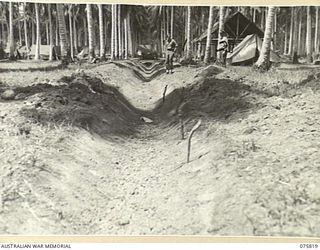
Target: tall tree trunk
{"type": "Point", "coordinates": [299, 32]}
{"type": "Point", "coordinates": [263, 62]}
{"type": "Point", "coordinates": [20, 35]}
{"type": "Point", "coordinates": [316, 34]}
{"type": "Point", "coordinates": [11, 38]}
{"type": "Point", "coordinates": [309, 35]}
{"type": "Point", "coordinates": [295, 35]}
{"type": "Point", "coordinates": [189, 49]}
{"type": "Point", "coordinates": [125, 38]}
{"type": "Point", "coordinates": [33, 31]}
{"type": "Point", "coordinates": [101, 33]}
{"type": "Point", "coordinates": [285, 40]}
{"type": "Point", "coordinates": [291, 32]}
{"type": "Point", "coordinates": [275, 36]}
{"type": "Point", "coordinates": [254, 15]}
{"type": "Point", "coordinates": [112, 32]}
{"type": "Point", "coordinates": [62, 32]}
{"type": "Point", "coordinates": [262, 20]}
{"type": "Point", "coordinates": [119, 32]}
{"type": "Point", "coordinates": [116, 35]}
{"type": "Point", "coordinates": [70, 31]}
{"type": "Point", "coordinates": [221, 28]}
{"type": "Point", "coordinates": [85, 31]}
{"type": "Point", "coordinates": [57, 31]}
{"type": "Point", "coordinates": [75, 36]}
{"type": "Point", "coordinates": [90, 32]}
{"type": "Point", "coordinates": [47, 33]}
{"type": "Point", "coordinates": [130, 45]}
{"type": "Point", "coordinates": [208, 45]}
{"type": "Point", "coordinates": [172, 15]}
{"type": "Point", "coordinates": [26, 32]}
{"type": "Point", "coordinates": [50, 33]}
{"type": "Point", "coordinates": [38, 38]}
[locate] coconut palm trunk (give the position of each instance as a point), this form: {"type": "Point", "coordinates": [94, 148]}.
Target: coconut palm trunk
{"type": "Point", "coordinates": [50, 33]}
{"type": "Point", "coordinates": [62, 32]}
{"type": "Point", "coordinates": [119, 32]}
{"type": "Point", "coordinates": [208, 45]}
{"type": "Point", "coordinates": [316, 35]}
{"type": "Point", "coordinates": [295, 35]}
{"type": "Point", "coordinates": [85, 31]}
{"type": "Point", "coordinates": [263, 62]}
{"type": "Point", "coordinates": [112, 32]}
{"type": "Point", "coordinates": [130, 45]}
{"type": "Point", "coordinates": [291, 32]}
{"type": "Point", "coordinates": [299, 32]}
{"type": "Point", "coordinates": [189, 49]}
{"type": "Point", "coordinates": [172, 15]}
{"type": "Point", "coordinates": [221, 28]}
{"type": "Point", "coordinates": [309, 35]}
{"type": "Point", "coordinates": [70, 31]}
{"type": "Point", "coordinates": [26, 38]}
{"type": "Point", "coordinates": [90, 32]}
{"type": "Point", "coordinates": [101, 32]}
{"type": "Point", "coordinates": [11, 37]}
{"type": "Point", "coordinates": [125, 38]}
{"type": "Point", "coordinates": [76, 35]}
{"type": "Point", "coordinates": [38, 34]}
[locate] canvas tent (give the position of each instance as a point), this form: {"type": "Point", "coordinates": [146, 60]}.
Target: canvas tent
{"type": "Point", "coordinates": [236, 25]}
{"type": "Point", "coordinates": [44, 51]}
{"type": "Point", "coordinates": [247, 51]}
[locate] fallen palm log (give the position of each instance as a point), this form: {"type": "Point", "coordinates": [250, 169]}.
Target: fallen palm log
{"type": "Point", "coordinates": [195, 127]}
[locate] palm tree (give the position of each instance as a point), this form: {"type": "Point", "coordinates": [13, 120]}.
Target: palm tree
{"type": "Point", "coordinates": [207, 52]}
{"type": "Point", "coordinates": [101, 29]}
{"type": "Point", "coordinates": [172, 12]}
{"type": "Point", "coordinates": [11, 38]}
{"type": "Point", "coordinates": [309, 35]}
{"type": "Point", "coordinates": [90, 32]}
{"type": "Point", "coordinates": [38, 34]}
{"type": "Point", "coordinates": [25, 27]}
{"type": "Point", "coordinates": [50, 33]}
{"type": "Point", "coordinates": [291, 32]}
{"type": "Point", "coordinates": [263, 62]}
{"type": "Point", "coordinates": [112, 31]}
{"type": "Point", "coordinates": [120, 51]}
{"type": "Point", "coordinates": [62, 32]}
{"type": "Point", "coordinates": [188, 49]}
{"type": "Point", "coordinates": [316, 36]}
{"type": "Point", "coordinates": [71, 31]}
{"type": "Point", "coordinates": [221, 28]}
{"type": "Point", "coordinates": [295, 35]}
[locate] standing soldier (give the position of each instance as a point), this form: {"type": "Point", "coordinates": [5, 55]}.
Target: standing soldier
{"type": "Point", "coordinates": [223, 48]}
{"type": "Point", "coordinates": [171, 47]}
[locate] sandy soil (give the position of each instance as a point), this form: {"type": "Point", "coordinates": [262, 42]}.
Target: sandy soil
{"type": "Point", "coordinates": [77, 158]}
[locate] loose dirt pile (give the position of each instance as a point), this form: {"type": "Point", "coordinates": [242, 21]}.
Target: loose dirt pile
{"type": "Point", "coordinates": [77, 159]}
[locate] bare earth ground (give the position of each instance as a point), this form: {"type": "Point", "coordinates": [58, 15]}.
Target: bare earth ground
{"type": "Point", "coordinates": [81, 161]}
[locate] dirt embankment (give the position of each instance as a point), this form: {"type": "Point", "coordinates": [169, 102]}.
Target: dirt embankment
{"type": "Point", "coordinates": [78, 159]}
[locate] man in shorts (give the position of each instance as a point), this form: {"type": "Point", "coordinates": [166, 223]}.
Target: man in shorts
{"type": "Point", "coordinates": [171, 47]}
{"type": "Point", "coordinates": [223, 48]}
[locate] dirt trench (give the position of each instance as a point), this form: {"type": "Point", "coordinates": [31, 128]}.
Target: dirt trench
{"type": "Point", "coordinates": [74, 178]}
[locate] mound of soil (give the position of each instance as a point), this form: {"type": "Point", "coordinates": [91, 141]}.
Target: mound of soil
{"type": "Point", "coordinates": [82, 101]}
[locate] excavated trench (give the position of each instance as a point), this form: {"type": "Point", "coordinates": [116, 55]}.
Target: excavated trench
{"type": "Point", "coordinates": [74, 179]}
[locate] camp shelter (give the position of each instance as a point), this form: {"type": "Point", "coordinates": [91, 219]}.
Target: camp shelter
{"type": "Point", "coordinates": [84, 53]}
{"type": "Point", "coordinates": [236, 25]}
{"type": "Point", "coordinates": [44, 51]}
{"type": "Point", "coordinates": [248, 50]}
